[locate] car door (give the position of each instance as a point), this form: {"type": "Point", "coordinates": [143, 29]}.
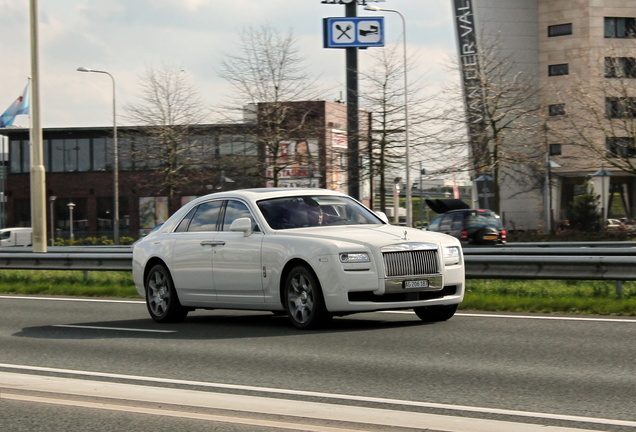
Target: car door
{"type": "Point", "coordinates": [193, 252]}
{"type": "Point", "coordinates": [236, 261]}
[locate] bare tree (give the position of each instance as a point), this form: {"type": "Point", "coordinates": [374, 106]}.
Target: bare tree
{"type": "Point", "coordinates": [168, 110]}
{"type": "Point", "coordinates": [508, 147]}
{"type": "Point", "coordinates": [268, 74]}
{"type": "Point", "coordinates": [597, 119]}
{"type": "Point", "coordinates": [383, 96]}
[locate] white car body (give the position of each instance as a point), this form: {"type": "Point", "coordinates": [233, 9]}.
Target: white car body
{"type": "Point", "coordinates": [16, 237]}
{"type": "Point", "coordinates": [246, 264]}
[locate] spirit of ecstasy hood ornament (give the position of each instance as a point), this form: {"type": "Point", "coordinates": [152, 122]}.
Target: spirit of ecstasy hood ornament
{"type": "Point", "coordinates": [405, 238]}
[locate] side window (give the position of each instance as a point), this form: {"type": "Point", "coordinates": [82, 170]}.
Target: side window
{"type": "Point", "coordinates": [205, 217]}
{"type": "Point", "coordinates": [458, 222]}
{"type": "Point", "coordinates": [235, 210]}
{"type": "Point", "coordinates": [183, 225]}
{"type": "Point", "coordinates": [434, 225]}
{"type": "Point", "coordinates": [445, 223]}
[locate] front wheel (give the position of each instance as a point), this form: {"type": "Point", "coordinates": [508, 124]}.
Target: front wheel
{"type": "Point", "coordinates": [161, 297]}
{"type": "Point", "coordinates": [435, 313]}
{"type": "Point", "coordinates": [303, 299]}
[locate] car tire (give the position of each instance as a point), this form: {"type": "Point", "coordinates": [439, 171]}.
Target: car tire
{"type": "Point", "coordinates": [435, 313]}
{"type": "Point", "coordinates": [161, 297]}
{"type": "Point", "coordinates": [303, 298]}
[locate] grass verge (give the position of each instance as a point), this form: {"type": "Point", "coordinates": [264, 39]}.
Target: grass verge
{"type": "Point", "coordinates": [569, 297]}
{"type": "Point", "coordinates": [67, 283]}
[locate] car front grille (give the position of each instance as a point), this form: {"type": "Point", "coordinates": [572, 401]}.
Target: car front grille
{"type": "Point", "coordinates": [411, 263]}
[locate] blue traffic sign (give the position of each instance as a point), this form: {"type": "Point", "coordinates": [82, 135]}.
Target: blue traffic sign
{"type": "Point", "coordinates": [353, 32]}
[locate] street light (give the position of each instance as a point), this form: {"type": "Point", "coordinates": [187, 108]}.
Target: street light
{"type": "Point", "coordinates": [71, 206]}
{"type": "Point", "coordinates": [115, 159]}
{"type": "Point", "coordinates": [52, 202]}
{"type": "Point", "coordinates": [409, 204]}
{"type": "Point", "coordinates": [549, 164]}
{"type": "Point", "coordinates": [603, 173]}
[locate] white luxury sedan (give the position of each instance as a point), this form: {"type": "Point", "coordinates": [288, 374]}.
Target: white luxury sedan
{"type": "Point", "coordinates": [307, 253]}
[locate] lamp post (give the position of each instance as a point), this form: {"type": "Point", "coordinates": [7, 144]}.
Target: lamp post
{"type": "Point", "coordinates": [71, 206]}
{"type": "Point", "coordinates": [115, 159]}
{"type": "Point", "coordinates": [409, 199]}
{"type": "Point", "coordinates": [52, 208]}
{"type": "Point", "coordinates": [603, 174]}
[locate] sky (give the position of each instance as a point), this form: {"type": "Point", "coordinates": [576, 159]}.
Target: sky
{"type": "Point", "coordinates": [126, 37]}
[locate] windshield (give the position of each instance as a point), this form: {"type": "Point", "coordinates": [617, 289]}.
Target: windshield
{"type": "Point", "coordinates": [309, 211]}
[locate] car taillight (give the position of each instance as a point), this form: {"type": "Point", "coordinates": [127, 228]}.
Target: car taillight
{"type": "Point", "coordinates": [503, 235]}
{"type": "Point", "coordinates": [464, 235]}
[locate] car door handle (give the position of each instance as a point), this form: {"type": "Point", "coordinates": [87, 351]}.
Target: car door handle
{"type": "Point", "coordinates": [212, 243]}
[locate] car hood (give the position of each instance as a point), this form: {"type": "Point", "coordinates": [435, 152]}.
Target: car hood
{"type": "Point", "coordinates": [378, 235]}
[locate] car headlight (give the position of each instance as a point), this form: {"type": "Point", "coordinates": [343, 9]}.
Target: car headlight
{"type": "Point", "coordinates": [451, 255]}
{"type": "Point", "coordinates": [354, 257]}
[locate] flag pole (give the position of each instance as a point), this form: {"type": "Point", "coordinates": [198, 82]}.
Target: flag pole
{"type": "Point", "coordinates": [38, 175]}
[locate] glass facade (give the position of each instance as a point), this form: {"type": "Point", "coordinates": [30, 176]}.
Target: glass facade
{"type": "Point", "coordinates": [134, 153]}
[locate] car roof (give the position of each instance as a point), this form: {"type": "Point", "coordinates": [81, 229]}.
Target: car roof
{"type": "Point", "coordinates": [481, 211]}
{"type": "Point", "coordinates": [256, 194]}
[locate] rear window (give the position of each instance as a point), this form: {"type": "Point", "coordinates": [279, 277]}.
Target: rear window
{"type": "Point", "coordinates": [478, 220]}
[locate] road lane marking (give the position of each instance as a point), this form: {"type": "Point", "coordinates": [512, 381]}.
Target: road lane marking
{"type": "Point", "coordinates": [87, 300]}
{"type": "Point", "coordinates": [295, 409]}
{"type": "Point", "coordinates": [113, 328]}
{"type": "Point", "coordinates": [479, 315]}
{"type": "Point", "coordinates": [276, 425]}
{"type": "Point", "coordinates": [554, 318]}
{"type": "Point", "coordinates": [536, 317]}
{"type": "Point", "coordinates": [328, 396]}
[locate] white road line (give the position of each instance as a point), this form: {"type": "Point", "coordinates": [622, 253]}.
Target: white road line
{"type": "Point", "coordinates": [554, 318]}
{"type": "Point", "coordinates": [536, 317]}
{"type": "Point", "coordinates": [479, 315]}
{"type": "Point", "coordinates": [91, 300]}
{"type": "Point", "coordinates": [327, 396]}
{"type": "Point", "coordinates": [295, 409]}
{"type": "Point", "coordinates": [113, 328]}
{"type": "Point", "coordinates": [277, 425]}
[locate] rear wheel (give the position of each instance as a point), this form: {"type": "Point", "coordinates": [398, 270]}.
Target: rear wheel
{"type": "Point", "coordinates": [161, 297]}
{"type": "Point", "coordinates": [303, 299]}
{"type": "Point", "coordinates": [435, 313]}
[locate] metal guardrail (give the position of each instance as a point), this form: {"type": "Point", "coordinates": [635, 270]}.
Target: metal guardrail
{"type": "Point", "coordinates": [559, 263]}
{"type": "Point", "coordinates": [592, 244]}
{"type": "Point", "coordinates": [67, 261]}
{"type": "Point", "coordinates": [617, 268]}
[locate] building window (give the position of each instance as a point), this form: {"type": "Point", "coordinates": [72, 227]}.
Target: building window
{"type": "Point", "coordinates": [620, 67]}
{"type": "Point", "coordinates": [560, 30]}
{"type": "Point", "coordinates": [616, 27]}
{"type": "Point", "coordinates": [558, 69]}
{"type": "Point", "coordinates": [624, 107]}
{"type": "Point", "coordinates": [555, 149]}
{"type": "Point", "coordinates": [620, 146]}
{"type": "Point", "coordinates": [556, 110]}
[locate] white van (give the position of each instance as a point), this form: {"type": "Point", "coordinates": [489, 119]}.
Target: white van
{"type": "Point", "coordinates": [16, 237]}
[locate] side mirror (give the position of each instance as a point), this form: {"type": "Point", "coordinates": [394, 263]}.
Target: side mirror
{"type": "Point", "coordinates": [382, 216]}
{"type": "Point", "coordinates": [243, 225]}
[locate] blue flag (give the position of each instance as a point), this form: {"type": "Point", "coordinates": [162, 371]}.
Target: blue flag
{"type": "Point", "coordinates": [19, 106]}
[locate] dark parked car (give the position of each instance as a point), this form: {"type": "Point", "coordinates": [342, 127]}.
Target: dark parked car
{"type": "Point", "coordinates": [470, 226]}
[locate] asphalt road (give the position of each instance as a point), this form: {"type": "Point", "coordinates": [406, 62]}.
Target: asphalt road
{"type": "Point", "coordinates": [99, 366]}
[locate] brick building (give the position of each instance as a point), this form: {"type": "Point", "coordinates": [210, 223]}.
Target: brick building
{"type": "Point", "coordinates": [79, 169]}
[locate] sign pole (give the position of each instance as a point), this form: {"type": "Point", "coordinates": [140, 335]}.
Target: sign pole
{"type": "Point", "coordinates": [353, 124]}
